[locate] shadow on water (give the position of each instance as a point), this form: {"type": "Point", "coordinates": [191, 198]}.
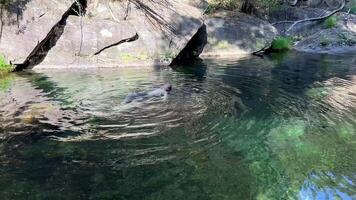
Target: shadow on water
{"type": "Point", "coordinates": [271, 128]}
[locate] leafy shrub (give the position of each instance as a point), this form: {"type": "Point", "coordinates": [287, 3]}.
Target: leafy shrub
{"type": "Point", "coordinates": [269, 3]}
{"type": "Point", "coordinates": [330, 22]}
{"type": "Point", "coordinates": [215, 5]}
{"type": "Point", "coordinates": [4, 66]}
{"type": "Point", "coordinates": [282, 44]}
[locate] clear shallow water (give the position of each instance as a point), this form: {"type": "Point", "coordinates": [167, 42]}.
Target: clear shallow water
{"type": "Point", "coordinates": [282, 127]}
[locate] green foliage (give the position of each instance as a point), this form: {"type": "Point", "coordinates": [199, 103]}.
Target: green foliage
{"type": "Point", "coordinates": [282, 44]}
{"type": "Point", "coordinates": [269, 3]}
{"type": "Point", "coordinates": [352, 7]}
{"type": "Point", "coordinates": [330, 22]}
{"type": "Point", "coordinates": [4, 2]}
{"type": "Point", "coordinates": [215, 5]}
{"type": "Point", "coordinates": [4, 66]}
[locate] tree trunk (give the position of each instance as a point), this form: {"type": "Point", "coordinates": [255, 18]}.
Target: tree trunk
{"type": "Point", "coordinates": [247, 7]}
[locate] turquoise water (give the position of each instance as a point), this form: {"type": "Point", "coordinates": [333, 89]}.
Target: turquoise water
{"type": "Point", "coordinates": [279, 127]}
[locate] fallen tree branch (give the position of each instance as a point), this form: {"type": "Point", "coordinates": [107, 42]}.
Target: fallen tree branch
{"type": "Point", "coordinates": [131, 39]}
{"type": "Point", "coordinates": [262, 51]}
{"type": "Point", "coordinates": [292, 21]}
{"type": "Point", "coordinates": [317, 18]}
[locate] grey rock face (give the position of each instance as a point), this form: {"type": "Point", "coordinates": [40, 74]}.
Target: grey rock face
{"type": "Point", "coordinates": [237, 33]}
{"type": "Point", "coordinates": [314, 36]}
{"type": "Point", "coordinates": [26, 23]}
{"type": "Point", "coordinates": [163, 27]}
{"type": "Point", "coordinates": [339, 39]}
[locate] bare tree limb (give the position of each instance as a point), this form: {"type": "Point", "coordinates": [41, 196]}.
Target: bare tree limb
{"type": "Point", "coordinates": [80, 13]}
{"type": "Point", "coordinates": [112, 14]}
{"type": "Point", "coordinates": [131, 39]}
{"type": "Point", "coordinates": [317, 18]}
{"type": "Point", "coordinates": [262, 51]}
{"type": "Point", "coordinates": [292, 21]}
{"type": "Point", "coordinates": [127, 11]}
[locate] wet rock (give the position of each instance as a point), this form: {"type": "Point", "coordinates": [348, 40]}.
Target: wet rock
{"type": "Point", "coordinates": [237, 33]}
{"type": "Point", "coordinates": [83, 38]}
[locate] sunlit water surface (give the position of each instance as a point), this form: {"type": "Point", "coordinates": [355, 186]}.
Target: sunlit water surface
{"type": "Point", "coordinates": [279, 127]}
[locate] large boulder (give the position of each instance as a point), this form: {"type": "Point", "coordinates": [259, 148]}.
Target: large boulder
{"type": "Point", "coordinates": [164, 28]}
{"type": "Point", "coordinates": [54, 37]}
{"type": "Point", "coordinates": [315, 36]}
{"type": "Point", "coordinates": [338, 39]}
{"type": "Point", "coordinates": [237, 33]}
{"type": "Point", "coordinates": [24, 24]}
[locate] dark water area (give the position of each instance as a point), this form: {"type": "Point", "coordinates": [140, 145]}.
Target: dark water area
{"type": "Point", "coordinates": [278, 127]}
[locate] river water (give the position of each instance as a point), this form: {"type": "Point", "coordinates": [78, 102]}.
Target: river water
{"type": "Point", "coordinates": [278, 127]}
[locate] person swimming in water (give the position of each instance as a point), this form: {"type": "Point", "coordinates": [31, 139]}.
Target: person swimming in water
{"type": "Point", "coordinates": [161, 92]}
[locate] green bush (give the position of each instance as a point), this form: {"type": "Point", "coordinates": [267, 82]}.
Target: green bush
{"type": "Point", "coordinates": [4, 66]}
{"type": "Point", "coordinates": [282, 44]}
{"type": "Point", "coordinates": [215, 5]}
{"type": "Point", "coordinates": [330, 22]}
